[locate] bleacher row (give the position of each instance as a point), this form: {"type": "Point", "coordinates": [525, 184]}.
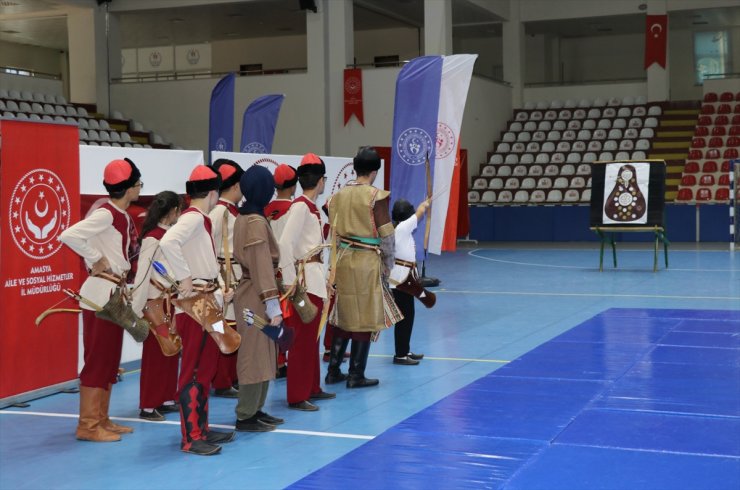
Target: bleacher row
{"type": "Point", "coordinates": [549, 139]}
{"type": "Point", "coordinates": [94, 131]}
{"type": "Point", "coordinates": [716, 141]}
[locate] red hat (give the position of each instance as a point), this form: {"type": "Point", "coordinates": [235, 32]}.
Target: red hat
{"type": "Point", "coordinates": [229, 170]}
{"type": "Point", "coordinates": [119, 175]}
{"type": "Point", "coordinates": [285, 176]}
{"type": "Point", "coordinates": [202, 179]}
{"type": "Point", "coordinates": [311, 163]}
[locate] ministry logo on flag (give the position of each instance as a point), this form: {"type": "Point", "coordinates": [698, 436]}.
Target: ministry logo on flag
{"type": "Point", "coordinates": [414, 145]}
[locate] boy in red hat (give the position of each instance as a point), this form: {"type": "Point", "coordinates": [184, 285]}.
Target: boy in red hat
{"type": "Point", "coordinates": [285, 183]}
{"type": "Point", "coordinates": [189, 250]}
{"type": "Point", "coordinates": [223, 216]}
{"type": "Point", "coordinates": [105, 239]}
{"type": "Point", "coordinates": [301, 248]}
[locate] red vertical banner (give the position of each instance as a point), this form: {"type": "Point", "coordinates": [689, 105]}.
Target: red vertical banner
{"type": "Point", "coordinates": [353, 95]}
{"type": "Point", "coordinates": [40, 195]}
{"type": "Point", "coordinates": [656, 40]}
{"type": "Point", "coordinates": [458, 222]}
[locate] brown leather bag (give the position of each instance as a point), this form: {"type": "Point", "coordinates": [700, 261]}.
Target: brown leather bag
{"type": "Point", "coordinates": [413, 287]}
{"type": "Point", "coordinates": [204, 309]}
{"type": "Point", "coordinates": [162, 325]}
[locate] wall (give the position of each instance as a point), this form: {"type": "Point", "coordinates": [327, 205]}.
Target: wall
{"type": "Point", "coordinates": [32, 58]}
{"type": "Point", "coordinates": [616, 57]}
{"type": "Point", "coordinates": [42, 85]}
{"type": "Point", "coordinates": [490, 51]}
{"type": "Point", "coordinates": [383, 42]}
{"type": "Point", "coordinates": [273, 52]}
{"type": "Point", "coordinates": [585, 91]}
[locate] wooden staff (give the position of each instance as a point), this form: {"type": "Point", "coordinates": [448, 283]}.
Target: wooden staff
{"type": "Point", "coordinates": [330, 280]}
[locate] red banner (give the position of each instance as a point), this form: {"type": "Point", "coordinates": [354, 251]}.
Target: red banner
{"type": "Point", "coordinates": [656, 40]}
{"type": "Point", "coordinates": [353, 95]}
{"type": "Point", "coordinates": [40, 192]}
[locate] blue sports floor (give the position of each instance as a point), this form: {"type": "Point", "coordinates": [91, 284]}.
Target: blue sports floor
{"type": "Point", "coordinates": [541, 372]}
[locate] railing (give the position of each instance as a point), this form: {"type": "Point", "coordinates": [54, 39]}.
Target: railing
{"type": "Point", "coordinates": [720, 76]}
{"type": "Point", "coordinates": [396, 64]}
{"type": "Point", "coordinates": [170, 76]}
{"type": "Point", "coordinates": [25, 72]}
{"type": "Point", "coordinates": [598, 81]}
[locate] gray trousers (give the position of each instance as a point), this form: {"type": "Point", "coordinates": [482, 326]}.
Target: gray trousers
{"type": "Point", "coordinates": [251, 399]}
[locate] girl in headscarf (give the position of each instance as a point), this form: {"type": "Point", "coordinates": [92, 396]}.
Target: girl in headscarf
{"type": "Point", "coordinates": [257, 251]}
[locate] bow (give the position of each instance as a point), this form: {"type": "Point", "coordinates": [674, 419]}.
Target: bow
{"type": "Point", "coordinates": [428, 224]}
{"type": "Point", "coordinates": [330, 280]}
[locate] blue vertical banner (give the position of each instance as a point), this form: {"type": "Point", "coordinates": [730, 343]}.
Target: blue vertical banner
{"type": "Point", "coordinates": [221, 116]}
{"type": "Point", "coordinates": [259, 122]}
{"type": "Point", "coordinates": [415, 132]}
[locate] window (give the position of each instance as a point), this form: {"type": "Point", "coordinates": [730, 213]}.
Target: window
{"type": "Point", "coordinates": [711, 54]}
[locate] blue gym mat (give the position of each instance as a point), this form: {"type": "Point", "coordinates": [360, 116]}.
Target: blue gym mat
{"type": "Point", "coordinates": [631, 398]}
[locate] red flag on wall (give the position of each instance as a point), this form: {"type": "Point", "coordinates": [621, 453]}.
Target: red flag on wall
{"type": "Point", "coordinates": [656, 39]}
{"type": "Point", "coordinates": [353, 95]}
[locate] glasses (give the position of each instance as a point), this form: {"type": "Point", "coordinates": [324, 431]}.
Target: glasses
{"type": "Point", "coordinates": [139, 184]}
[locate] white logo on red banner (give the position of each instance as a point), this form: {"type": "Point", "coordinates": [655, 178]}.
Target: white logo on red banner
{"type": "Point", "coordinates": [39, 211]}
{"type": "Point", "coordinates": [352, 85]}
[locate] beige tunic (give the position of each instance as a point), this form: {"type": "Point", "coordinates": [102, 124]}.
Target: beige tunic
{"type": "Point", "coordinates": [256, 250]}
{"type": "Point", "coordinates": [359, 211]}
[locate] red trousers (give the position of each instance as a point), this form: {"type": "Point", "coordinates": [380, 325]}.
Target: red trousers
{"type": "Point", "coordinates": [303, 356]}
{"type": "Point", "coordinates": [226, 368]}
{"type": "Point", "coordinates": [192, 337]}
{"type": "Point", "coordinates": [102, 342]}
{"type": "Point", "coordinates": [158, 382]}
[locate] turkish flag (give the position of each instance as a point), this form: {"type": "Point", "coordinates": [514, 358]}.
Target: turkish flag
{"type": "Point", "coordinates": [353, 95]}
{"type": "Point", "coordinates": [656, 39]}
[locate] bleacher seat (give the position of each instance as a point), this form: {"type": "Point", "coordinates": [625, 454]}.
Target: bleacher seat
{"type": "Point", "coordinates": [552, 170]}
{"type": "Point", "coordinates": [707, 110]}
{"type": "Point", "coordinates": [589, 124]}
{"type": "Point", "coordinates": [496, 183]}
{"type": "Point", "coordinates": [521, 116]}
{"type": "Point", "coordinates": [523, 137]}
{"type": "Point", "coordinates": [610, 145]}
{"type": "Point", "coordinates": [488, 171]}
{"type": "Point", "coordinates": [574, 124]}
{"type": "Point", "coordinates": [698, 143]}
{"type": "Point", "coordinates": [26, 95]}
{"type": "Point", "coordinates": [724, 179]}
{"type": "Point", "coordinates": [651, 122]}
{"type": "Point", "coordinates": [488, 197]}
{"type": "Point", "coordinates": [632, 133]}
{"type": "Point", "coordinates": [553, 136]}
{"type": "Point", "coordinates": [511, 183]}
{"type": "Point", "coordinates": [537, 196]}
{"type": "Point", "coordinates": [544, 183]}
{"type": "Point", "coordinates": [104, 124]}
{"type": "Point", "coordinates": [626, 145]}
{"type": "Point", "coordinates": [25, 107]}
{"type": "Point", "coordinates": [504, 171]}
{"type": "Point", "coordinates": [573, 158]}
{"type": "Point", "coordinates": [589, 157]}
{"type": "Point", "coordinates": [702, 131]}
{"type": "Point", "coordinates": [730, 153]}
{"type": "Point", "coordinates": [535, 170]}
{"type": "Point", "coordinates": [599, 102]}
{"type": "Point", "coordinates": [619, 123]}
{"type": "Point", "coordinates": [47, 118]}
{"type": "Point", "coordinates": [550, 115]}
{"type": "Point", "coordinates": [22, 116]}
{"type": "Point", "coordinates": [473, 196]}
{"type": "Point", "coordinates": [479, 183]}
{"type": "Point", "coordinates": [604, 124]}
{"type": "Point", "coordinates": [711, 97]}
{"type": "Point", "coordinates": [642, 144]}
{"type": "Point", "coordinates": [622, 155]}
{"type": "Point", "coordinates": [571, 195]}
{"type": "Point", "coordinates": [71, 111]}
{"type": "Point", "coordinates": [542, 158]}
{"type": "Point", "coordinates": [609, 112]}
{"type": "Point", "coordinates": [14, 94]}
{"type": "Point", "coordinates": [504, 197]}
{"type": "Point", "coordinates": [496, 159]}
{"type": "Point", "coordinates": [654, 110]}
{"type": "Point", "coordinates": [34, 117]}
{"type": "Point", "coordinates": [584, 103]}
{"type": "Point", "coordinates": [594, 145]}
{"type": "Point", "coordinates": [639, 111]}
{"type": "Point", "coordinates": [4, 93]}
{"type": "Point", "coordinates": [92, 135]}
{"type": "Point", "coordinates": [722, 120]}
{"type": "Point", "coordinates": [707, 180]}
{"type": "Point", "coordinates": [703, 194]}
{"type": "Point", "coordinates": [599, 134]}
{"type": "Point", "coordinates": [570, 104]}
{"type": "Point", "coordinates": [535, 116]}
{"type": "Point", "coordinates": [579, 114]}
{"type": "Point", "coordinates": [503, 148]}
{"type": "Point", "coordinates": [716, 130]}
{"type": "Point", "coordinates": [685, 194]}
{"type": "Point", "coordinates": [527, 158]}
{"type": "Point", "coordinates": [569, 135]}
{"type": "Point", "coordinates": [724, 109]}
{"type": "Point", "coordinates": [518, 147]}
{"type": "Point", "coordinates": [519, 171]}
{"type": "Point", "coordinates": [722, 194]}
{"type": "Point", "coordinates": [515, 127]}
{"type": "Point", "coordinates": [614, 102]}
{"type": "Point", "coordinates": [733, 141]}
{"type": "Point", "coordinates": [559, 126]}
{"type": "Point", "coordinates": [509, 137]}
{"type": "Point", "coordinates": [615, 134]}
{"type": "Point", "coordinates": [539, 136]}
{"type": "Point", "coordinates": [578, 183]}
{"type": "Point", "coordinates": [735, 131]}
{"type": "Point", "coordinates": [586, 195]}
{"type": "Point", "coordinates": [544, 126]}
{"type": "Point", "coordinates": [557, 158]}
{"type": "Point", "coordinates": [565, 114]}
{"type": "Point", "coordinates": [59, 99]}
{"type": "Point", "coordinates": [583, 169]}
{"type": "Point", "coordinates": [606, 156]}
{"type": "Point", "coordinates": [579, 146]}
{"type": "Point", "coordinates": [624, 112]}
{"type": "Point", "coordinates": [594, 113]}
{"type": "Point", "coordinates": [521, 196]}
{"type": "Point", "coordinates": [688, 180]}
{"type": "Point", "coordinates": [563, 146]}
{"type": "Point", "coordinates": [691, 167]}
{"type": "Point", "coordinates": [71, 120]}
{"type": "Point", "coordinates": [628, 100]}
{"type": "Point", "coordinates": [568, 169]}
{"type": "Point", "coordinates": [704, 121]}
{"type": "Point", "coordinates": [555, 195]}
{"type": "Point", "coordinates": [59, 119]}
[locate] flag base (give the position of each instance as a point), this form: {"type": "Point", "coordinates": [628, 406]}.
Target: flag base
{"type": "Point", "coordinates": [429, 282]}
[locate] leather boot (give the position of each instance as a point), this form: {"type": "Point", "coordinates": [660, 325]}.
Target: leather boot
{"type": "Point", "coordinates": [89, 427]}
{"type": "Point", "coordinates": [357, 365]}
{"type": "Point", "coordinates": [105, 422]}
{"type": "Point", "coordinates": [336, 356]}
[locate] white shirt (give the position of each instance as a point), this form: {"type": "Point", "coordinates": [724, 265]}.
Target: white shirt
{"type": "Point", "coordinates": [301, 234]}
{"type": "Point", "coordinates": [143, 288]}
{"type": "Point", "coordinates": [94, 238]}
{"type": "Point", "coordinates": [188, 247]}
{"type": "Point", "coordinates": [405, 249]}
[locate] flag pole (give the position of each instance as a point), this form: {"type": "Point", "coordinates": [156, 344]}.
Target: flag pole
{"type": "Point", "coordinates": [428, 281]}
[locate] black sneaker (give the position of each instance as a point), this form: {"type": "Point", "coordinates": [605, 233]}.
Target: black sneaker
{"type": "Point", "coordinates": [217, 437]}
{"type": "Point", "coordinates": [169, 408]}
{"type": "Point", "coordinates": [229, 392]}
{"type": "Point", "coordinates": [282, 372]}
{"type": "Point", "coordinates": [253, 424]}
{"type": "Point", "coordinates": [405, 361]}
{"type": "Point", "coordinates": [201, 448]}
{"type": "Point", "coordinates": [267, 418]}
{"type": "Point", "coordinates": [331, 379]}
{"type": "Point", "coordinates": [153, 416]}
{"type": "Point", "coordinates": [322, 395]}
{"type": "Point", "coordinates": [416, 357]}
{"type": "Point", "coordinates": [304, 406]}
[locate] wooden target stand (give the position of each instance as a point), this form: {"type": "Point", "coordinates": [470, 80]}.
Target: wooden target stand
{"type": "Point", "coordinates": [606, 233]}
{"type": "Point", "coordinates": [655, 208]}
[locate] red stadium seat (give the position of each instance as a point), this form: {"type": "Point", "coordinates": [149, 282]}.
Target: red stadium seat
{"type": "Point", "coordinates": [709, 166]}
{"type": "Point", "coordinates": [712, 153]}
{"type": "Point", "coordinates": [736, 119]}
{"type": "Point", "coordinates": [718, 131]}
{"type": "Point", "coordinates": [730, 153]}
{"type": "Point", "coordinates": [725, 166]}
{"type": "Point", "coordinates": [691, 168]}
{"type": "Point", "coordinates": [685, 194]}
{"type": "Point", "coordinates": [733, 141]}
{"type": "Point", "coordinates": [701, 131]}
{"type": "Point", "coordinates": [716, 142]}
{"type": "Point", "coordinates": [705, 121]}
{"type": "Point", "coordinates": [721, 120]}
{"type": "Point", "coordinates": [710, 97]}
{"type": "Point", "coordinates": [726, 97]}
{"type": "Point", "coordinates": [695, 155]}
{"type": "Point", "coordinates": [707, 109]}
{"type": "Point", "coordinates": [737, 109]}
{"type": "Point", "coordinates": [707, 180]}
{"type": "Point", "coordinates": [737, 96]}
{"type": "Point", "coordinates": [724, 179]}
{"type": "Point", "coordinates": [724, 109]}
{"type": "Point", "coordinates": [698, 143]}
{"type": "Point", "coordinates": [723, 194]}
{"type": "Point", "coordinates": [734, 130]}
{"type": "Point", "coordinates": [703, 194]}
{"type": "Point", "coordinates": [688, 180]}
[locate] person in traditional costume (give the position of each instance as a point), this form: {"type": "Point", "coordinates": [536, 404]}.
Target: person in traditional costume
{"type": "Point", "coordinates": [189, 250]}
{"type": "Point", "coordinates": [301, 265]}
{"type": "Point", "coordinates": [223, 216]}
{"type": "Point", "coordinates": [361, 222]}
{"type": "Point", "coordinates": [257, 252]}
{"type": "Point", "coordinates": [158, 380]}
{"type": "Point", "coordinates": [285, 184]}
{"type": "Point", "coordinates": [405, 219]}
{"type": "Point", "coordinates": [105, 240]}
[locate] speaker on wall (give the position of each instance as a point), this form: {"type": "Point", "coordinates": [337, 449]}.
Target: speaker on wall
{"type": "Point", "coordinates": [308, 5]}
